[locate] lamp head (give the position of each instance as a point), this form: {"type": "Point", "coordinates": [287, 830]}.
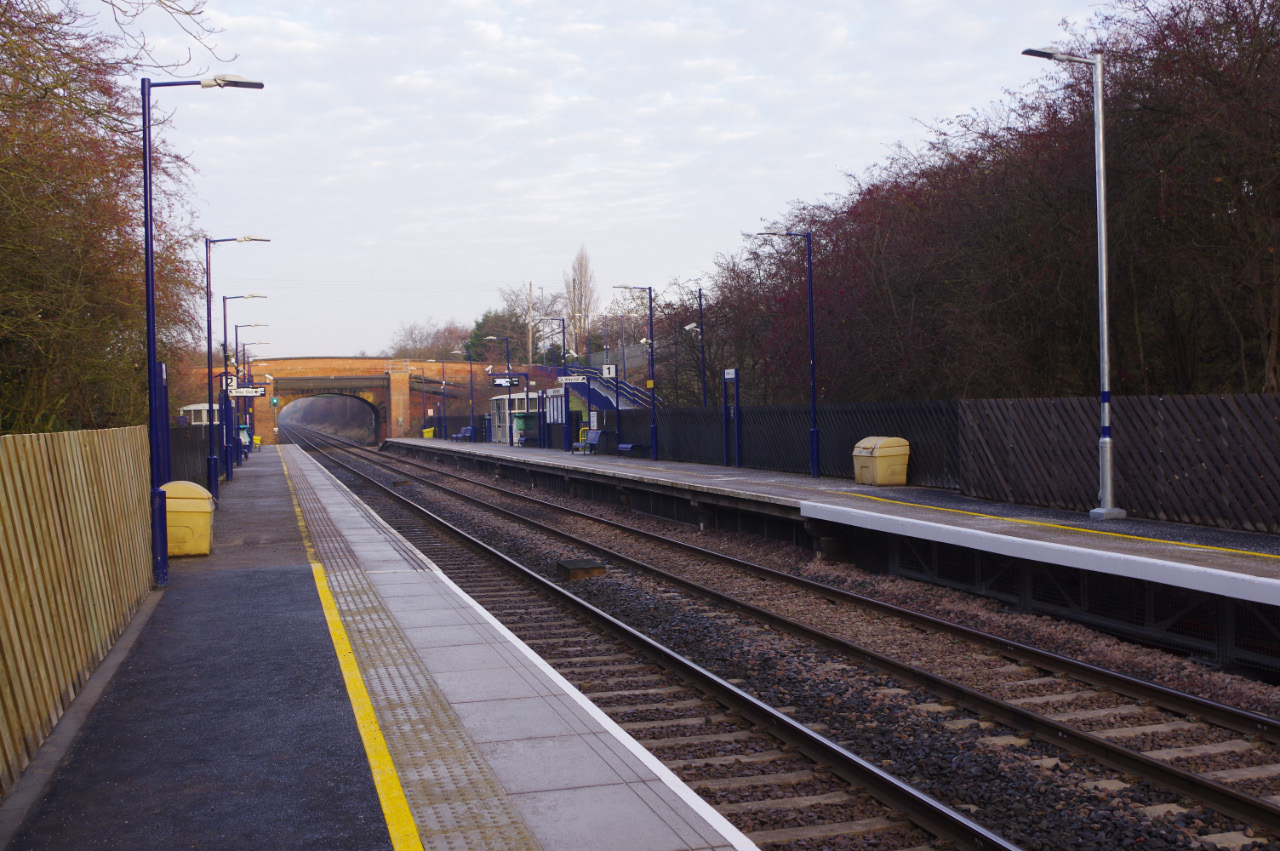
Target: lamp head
{"type": "Point", "coordinates": [1041, 52]}
{"type": "Point", "coordinates": [251, 238]}
{"type": "Point", "coordinates": [252, 295]}
{"type": "Point", "coordinates": [230, 81]}
{"type": "Point", "coordinates": [491, 338]}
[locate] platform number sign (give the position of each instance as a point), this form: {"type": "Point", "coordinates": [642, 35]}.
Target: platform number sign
{"type": "Point", "coordinates": [610, 370]}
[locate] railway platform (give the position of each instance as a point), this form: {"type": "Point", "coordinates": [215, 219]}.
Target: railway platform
{"type": "Point", "coordinates": [1164, 582]}
{"type": "Point", "coordinates": [317, 682]}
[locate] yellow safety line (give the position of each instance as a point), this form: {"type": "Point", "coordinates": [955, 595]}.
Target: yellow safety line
{"type": "Point", "coordinates": [1058, 526]}
{"type": "Point", "coordinates": [395, 807]}
{"type": "Point", "coordinates": [1025, 522]}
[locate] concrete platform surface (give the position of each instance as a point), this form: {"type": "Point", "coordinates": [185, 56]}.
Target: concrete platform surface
{"type": "Point", "coordinates": [1242, 565]}
{"type": "Point", "coordinates": [318, 683]}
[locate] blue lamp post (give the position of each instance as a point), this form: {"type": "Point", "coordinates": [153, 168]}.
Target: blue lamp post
{"type": "Point", "coordinates": [444, 400]}
{"type": "Point", "coordinates": [564, 369]}
{"type": "Point", "coordinates": [653, 396]}
{"type": "Point", "coordinates": [510, 428]}
{"type": "Point", "coordinates": [212, 462]}
{"type": "Point", "coordinates": [228, 426]}
{"type": "Point", "coordinates": [157, 417]}
{"type": "Point", "coordinates": [814, 458]}
{"type": "Point", "coordinates": [471, 374]}
{"type": "Point", "coordinates": [1106, 509]}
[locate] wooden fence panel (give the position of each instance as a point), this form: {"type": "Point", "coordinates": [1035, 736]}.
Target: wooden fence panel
{"type": "Point", "coordinates": [74, 566]}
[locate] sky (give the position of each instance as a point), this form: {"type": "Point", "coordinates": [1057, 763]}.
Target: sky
{"type": "Point", "coordinates": [407, 160]}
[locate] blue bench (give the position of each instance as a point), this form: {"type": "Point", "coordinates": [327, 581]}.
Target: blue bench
{"type": "Point", "coordinates": [632, 449]}
{"type": "Point", "coordinates": [464, 434]}
{"type": "Point", "coordinates": [590, 443]}
{"type": "Point", "coordinates": [527, 441]}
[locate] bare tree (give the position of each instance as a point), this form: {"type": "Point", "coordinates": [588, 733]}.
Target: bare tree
{"type": "Point", "coordinates": [580, 296]}
{"type": "Point", "coordinates": [531, 303]}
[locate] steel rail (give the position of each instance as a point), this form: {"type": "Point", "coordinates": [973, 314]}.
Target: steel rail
{"type": "Point", "coordinates": [1217, 796]}
{"type": "Point", "coordinates": [927, 812]}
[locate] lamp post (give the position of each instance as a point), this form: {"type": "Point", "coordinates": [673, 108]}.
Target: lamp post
{"type": "Point", "coordinates": [510, 429]}
{"type": "Point", "coordinates": [157, 417]}
{"type": "Point", "coordinates": [228, 425]}
{"type": "Point", "coordinates": [1106, 509]}
{"type": "Point", "coordinates": [702, 344]}
{"type": "Point", "coordinates": [238, 356]}
{"type": "Point", "coordinates": [212, 462]}
{"type": "Point", "coordinates": [471, 374]}
{"type": "Point", "coordinates": [653, 397]}
{"type": "Point", "coordinates": [444, 400]}
{"type": "Point", "coordinates": [814, 457]}
{"type": "Point", "coordinates": [247, 365]}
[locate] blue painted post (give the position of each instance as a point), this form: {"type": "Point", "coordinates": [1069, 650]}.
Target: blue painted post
{"type": "Point", "coordinates": [724, 394]}
{"type": "Point", "coordinates": [737, 411]}
{"type": "Point", "coordinates": [159, 516]}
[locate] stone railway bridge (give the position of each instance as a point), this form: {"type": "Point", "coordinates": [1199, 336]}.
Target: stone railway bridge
{"type": "Point", "coordinates": [393, 389]}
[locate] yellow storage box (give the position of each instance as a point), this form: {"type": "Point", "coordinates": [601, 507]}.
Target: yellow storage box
{"type": "Point", "coordinates": [190, 511]}
{"type": "Point", "coordinates": [881, 461]}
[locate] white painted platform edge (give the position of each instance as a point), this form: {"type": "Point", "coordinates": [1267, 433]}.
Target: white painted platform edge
{"type": "Point", "coordinates": [714, 819]}
{"type": "Point", "coordinates": [1241, 586]}
{"type": "Point", "coordinates": [314, 465]}
{"type": "Point", "coordinates": [666, 775]}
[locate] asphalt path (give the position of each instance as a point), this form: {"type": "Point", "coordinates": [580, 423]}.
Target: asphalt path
{"type": "Point", "coordinates": [228, 725]}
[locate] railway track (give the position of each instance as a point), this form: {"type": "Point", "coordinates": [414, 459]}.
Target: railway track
{"type": "Point", "coordinates": [773, 777]}
{"type": "Point", "coordinates": [1140, 730]}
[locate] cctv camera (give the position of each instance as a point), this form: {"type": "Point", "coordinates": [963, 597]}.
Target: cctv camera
{"type": "Point", "coordinates": [692, 326]}
{"type": "Point", "coordinates": [489, 368]}
{"type": "Point", "coordinates": [270, 377]}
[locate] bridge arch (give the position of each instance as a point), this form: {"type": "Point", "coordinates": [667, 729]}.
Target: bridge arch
{"type": "Point", "coordinates": [379, 416]}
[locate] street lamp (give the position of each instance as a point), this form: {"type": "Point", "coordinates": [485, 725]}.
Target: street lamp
{"type": "Point", "coordinates": [1106, 509]}
{"type": "Point", "coordinates": [238, 356]}
{"type": "Point", "coordinates": [444, 399]}
{"type": "Point", "coordinates": [212, 463]}
{"type": "Point", "coordinates": [248, 402]}
{"type": "Point", "coordinates": [471, 374]}
{"type": "Point", "coordinates": [157, 418]}
{"type": "Point", "coordinates": [511, 441]}
{"type": "Point", "coordinates": [813, 373]}
{"type": "Point", "coordinates": [653, 398]}
{"type": "Point", "coordinates": [228, 426]}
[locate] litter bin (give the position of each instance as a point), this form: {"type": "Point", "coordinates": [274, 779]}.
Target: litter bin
{"type": "Point", "coordinates": [881, 461]}
{"type": "Point", "coordinates": [190, 511]}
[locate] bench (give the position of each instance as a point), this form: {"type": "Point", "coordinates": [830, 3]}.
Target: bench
{"type": "Point", "coordinates": [527, 441]}
{"type": "Point", "coordinates": [632, 449]}
{"type": "Point", "coordinates": [464, 434]}
{"type": "Point", "coordinates": [590, 443]}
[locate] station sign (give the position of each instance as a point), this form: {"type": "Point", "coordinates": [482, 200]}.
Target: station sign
{"type": "Point", "coordinates": [247, 391]}
{"type": "Point", "coordinates": [609, 370]}
{"type": "Point", "coordinates": [730, 375]}
{"type": "Point", "coordinates": [572, 379]}
{"type": "Point", "coordinates": [507, 381]}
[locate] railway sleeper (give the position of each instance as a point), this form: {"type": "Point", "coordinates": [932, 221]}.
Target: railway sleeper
{"type": "Point", "coordinates": [768, 804]}
{"type": "Point", "coordinates": [721, 783]}
{"type": "Point", "coordinates": [707, 761]}
{"type": "Point", "coordinates": [826, 831]}
{"type": "Point", "coordinates": [629, 726]}
{"type": "Point", "coordinates": [624, 708]}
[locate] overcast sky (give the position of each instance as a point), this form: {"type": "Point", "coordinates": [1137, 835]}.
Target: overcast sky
{"type": "Point", "coordinates": [408, 159]}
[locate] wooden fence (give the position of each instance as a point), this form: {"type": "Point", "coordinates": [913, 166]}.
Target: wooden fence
{"type": "Point", "coordinates": [74, 566]}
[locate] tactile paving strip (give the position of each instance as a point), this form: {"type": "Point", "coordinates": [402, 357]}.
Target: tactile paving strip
{"type": "Point", "coordinates": [456, 800]}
